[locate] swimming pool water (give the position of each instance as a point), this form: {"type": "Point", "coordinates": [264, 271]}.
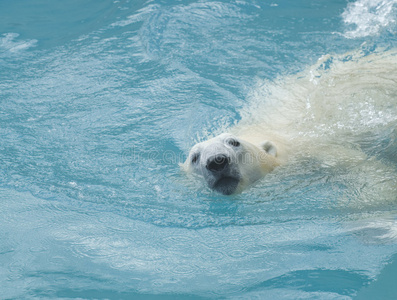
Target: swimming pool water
{"type": "Point", "coordinates": [100, 101]}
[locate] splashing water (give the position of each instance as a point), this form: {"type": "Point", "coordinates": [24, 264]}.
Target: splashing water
{"type": "Point", "coordinates": [369, 17]}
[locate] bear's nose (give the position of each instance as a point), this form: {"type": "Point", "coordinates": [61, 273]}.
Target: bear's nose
{"type": "Point", "coordinates": [218, 163]}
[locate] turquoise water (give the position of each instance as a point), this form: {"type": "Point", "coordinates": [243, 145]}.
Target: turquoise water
{"type": "Point", "coordinates": [100, 101]}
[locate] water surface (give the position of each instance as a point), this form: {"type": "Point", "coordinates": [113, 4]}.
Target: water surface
{"type": "Point", "coordinates": [100, 101]}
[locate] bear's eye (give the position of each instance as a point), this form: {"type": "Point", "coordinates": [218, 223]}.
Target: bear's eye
{"type": "Point", "coordinates": [195, 158]}
{"type": "Point", "coordinates": [233, 142]}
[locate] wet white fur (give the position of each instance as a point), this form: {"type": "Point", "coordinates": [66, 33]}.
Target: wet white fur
{"type": "Point", "coordinates": [322, 112]}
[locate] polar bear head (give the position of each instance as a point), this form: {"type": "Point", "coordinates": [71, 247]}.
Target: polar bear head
{"type": "Point", "coordinates": [229, 164]}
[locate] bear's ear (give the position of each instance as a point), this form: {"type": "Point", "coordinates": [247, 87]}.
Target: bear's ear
{"type": "Point", "coordinates": [269, 147]}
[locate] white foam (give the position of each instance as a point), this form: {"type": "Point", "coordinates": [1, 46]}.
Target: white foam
{"type": "Point", "coordinates": [8, 43]}
{"type": "Point", "coordinates": [369, 17]}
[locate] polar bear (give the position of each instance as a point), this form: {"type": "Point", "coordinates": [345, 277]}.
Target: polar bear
{"type": "Point", "coordinates": [230, 163]}
{"type": "Point", "coordinates": [327, 113]}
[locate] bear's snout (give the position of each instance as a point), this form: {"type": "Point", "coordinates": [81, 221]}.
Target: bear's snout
{"type": "Point", "coordinates": [218, 163]}
{"type": "Point", "coordinates": [222, 174]}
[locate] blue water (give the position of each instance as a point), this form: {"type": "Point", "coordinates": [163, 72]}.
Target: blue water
{"type": "Point", "coordinates": [100, 101]}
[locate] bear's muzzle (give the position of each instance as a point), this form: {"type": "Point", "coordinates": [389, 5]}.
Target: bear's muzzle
{"type": "Point", "coordinates": [222, 175]}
